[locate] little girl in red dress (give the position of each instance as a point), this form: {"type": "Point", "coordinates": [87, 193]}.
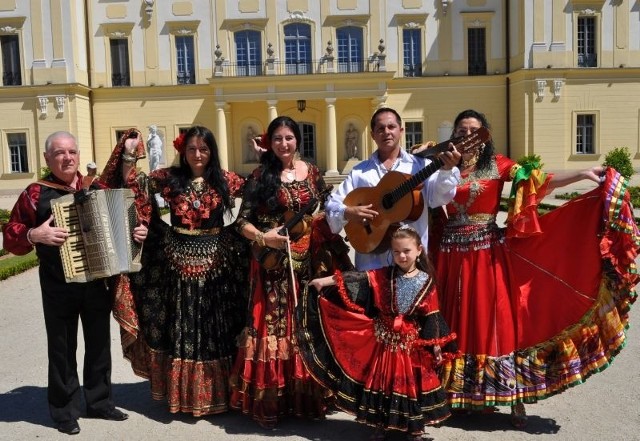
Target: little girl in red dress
{"type": "Point", "coordinates": [377, 340]}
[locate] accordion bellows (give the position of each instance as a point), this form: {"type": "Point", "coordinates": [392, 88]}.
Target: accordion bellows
{"type": "Point", "coordinates": [100, 242]}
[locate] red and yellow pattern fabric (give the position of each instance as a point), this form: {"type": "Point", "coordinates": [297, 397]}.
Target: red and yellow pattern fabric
{"type": "Point", "coordinates": [558, 300]}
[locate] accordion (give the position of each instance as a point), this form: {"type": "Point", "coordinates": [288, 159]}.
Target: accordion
{"type": "Point", "coordinates": [100, 226]}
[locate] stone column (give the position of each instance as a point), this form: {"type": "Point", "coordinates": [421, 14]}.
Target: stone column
{"type": "Point", "coordinates": [221, 134]}
{"type": "Point", "coordinates": [332, 138]}
{"type": "Point", "coordinates": [272, 112]}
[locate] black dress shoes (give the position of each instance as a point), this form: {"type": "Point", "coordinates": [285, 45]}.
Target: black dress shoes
{"type": "Point", "coordinates": [70, 427]}
{"type": "Point", "coordinates": [112, 414]}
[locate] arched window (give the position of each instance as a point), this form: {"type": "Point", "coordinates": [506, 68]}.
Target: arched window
{"type": "Point", "coordinates": [248, 53]}
{"type": "Point", "coordinates": [350, 58]}
{"type": "Point", "coordinates": [297, 48]}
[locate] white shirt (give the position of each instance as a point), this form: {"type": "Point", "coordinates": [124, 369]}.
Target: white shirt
{"type": "Point", "coordinates": [439, 189]}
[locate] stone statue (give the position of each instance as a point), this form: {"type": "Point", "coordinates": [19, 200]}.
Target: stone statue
{"type": "Point", "coordinates": [351, 142]}
{"type": "Point", "coordinates": [253, 155]}
{"type": "Point", "coordinates": [92, 169]}
{"type": "Point", "coordinates": [154, 148]}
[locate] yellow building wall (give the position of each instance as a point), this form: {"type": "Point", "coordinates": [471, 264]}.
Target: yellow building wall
{"type": "Point", "coordinates": [22, 113]}
{"type": "Point", "coordinates": [523, 122]}
{"type": "Point", "coordinates": [545, 125]}
{"type": "Point", "coordinates": [169, 110]}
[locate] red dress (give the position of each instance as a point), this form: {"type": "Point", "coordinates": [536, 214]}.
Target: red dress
{"type": "Point", "coordinates": [541, 305]}
{"type": "Point", "coordinates": [269, 379]}
{"type": "Point", "coordinates": [374, 352]}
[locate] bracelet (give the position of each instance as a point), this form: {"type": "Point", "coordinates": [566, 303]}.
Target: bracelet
{"type": "Point", "coordinates": [129, 158]}
{"type": "Point", "coordinates": [29, 237]}
{"type": "Point", "coordinates": [260, 238]}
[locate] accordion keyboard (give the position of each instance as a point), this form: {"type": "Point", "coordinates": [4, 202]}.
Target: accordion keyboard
{"type": "Point", "coordinates": [72, 251]}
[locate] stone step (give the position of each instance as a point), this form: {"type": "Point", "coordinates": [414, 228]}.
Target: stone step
{"type": "Point", "coordinates": [334, 180]}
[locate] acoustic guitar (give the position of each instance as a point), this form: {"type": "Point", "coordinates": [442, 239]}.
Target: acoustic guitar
{"type": "Point", "coordinates": [396, 198]}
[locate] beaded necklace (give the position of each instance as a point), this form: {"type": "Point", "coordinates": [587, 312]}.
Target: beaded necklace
{"type": "Point", "coordinates": [196, 188]}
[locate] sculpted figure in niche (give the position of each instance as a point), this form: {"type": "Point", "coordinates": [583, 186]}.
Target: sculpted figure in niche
{"type": "Point", "coordinates": [252, 155]}
{"type": "Point", "coordinates": [154, 148]}
{"type": "Point", "coordinates": [351, 142]}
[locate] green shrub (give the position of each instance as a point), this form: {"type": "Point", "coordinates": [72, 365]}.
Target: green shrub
{"type": "Point", "coordinates": [10, 266]}
{"type": "Point", "coordinates": [620, 159]}
{"type": "Point", "coordinates": [44, 171]}
{"type": "Point", "coordinates": [634, 192]}
{"type": "Point", "coordinates": [4, 216]}
{"type": "Point", "coordinates": [567, 196]}
{"type": "Point", "coordinates": [533, 160]}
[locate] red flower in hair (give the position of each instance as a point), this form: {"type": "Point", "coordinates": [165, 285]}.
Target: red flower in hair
{"type": "Point", "coordinates": [178, 143]}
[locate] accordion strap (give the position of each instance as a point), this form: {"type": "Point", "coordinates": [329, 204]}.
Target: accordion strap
{"type": "Point", "coordinates": [56, 186]}
{"type": "Point", "coordinates": [86, 183]}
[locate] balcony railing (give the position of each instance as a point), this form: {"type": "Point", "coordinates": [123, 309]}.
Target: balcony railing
{"type": "Point", "coordinates": [477, 68]}
{"type": "Point", "coordinates": [350, 66]}
{"type": "Point", "coordinates": [186, 78]}
{"type": "Point", "coordinates": [11, 78]}
{"type": "Point", "coordinates": [119, 80]}
{"type": "Point", "coordinates": [412, 70]}
{"type": "Point", "coordinates": [323, 66]}
{"type": "Point", "coordinates": [587, 60]}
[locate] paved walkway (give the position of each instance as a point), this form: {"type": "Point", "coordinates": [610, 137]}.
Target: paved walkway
{"type": "Point", "coordinates": [606, 407]}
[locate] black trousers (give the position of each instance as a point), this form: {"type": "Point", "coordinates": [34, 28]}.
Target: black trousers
{"type": "Point", "coordinates": [64, 304]}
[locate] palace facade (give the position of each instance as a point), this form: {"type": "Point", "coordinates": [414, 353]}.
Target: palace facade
{"type": "Point", "coordinates": [556, 78]}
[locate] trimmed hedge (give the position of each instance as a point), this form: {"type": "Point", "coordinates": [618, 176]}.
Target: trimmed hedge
{"type": "Point", "coordinates": [634, 193]}
{"type": "Point", "coordinates": [10, 266]}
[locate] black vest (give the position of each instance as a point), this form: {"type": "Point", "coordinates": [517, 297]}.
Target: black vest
{"type": "Point", "coordinates": [50, 261]}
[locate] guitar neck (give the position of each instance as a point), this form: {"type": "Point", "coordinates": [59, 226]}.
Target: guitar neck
{"type": "Point", "coordinates": [462, 144]}
{"type": "Point", "coordinates": [415, 180]}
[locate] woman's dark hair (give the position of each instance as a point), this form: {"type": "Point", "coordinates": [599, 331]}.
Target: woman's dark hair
{"type": "Point", "coordinates": [180, 175]}
{"type": "Point", "coordinates": [269, 181]}
{"type": "Point", "coordinates": [423, 262]}
{"type": "Point", "coordinates": [484, 160]}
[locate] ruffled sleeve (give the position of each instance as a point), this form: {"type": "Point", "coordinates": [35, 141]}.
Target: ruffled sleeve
{"type": "Point", "coordinates": [235, 182]}
{"type": "Point", "coordinates": [529, 187]}
{"type": "Point", "coordinates": [249, 206]}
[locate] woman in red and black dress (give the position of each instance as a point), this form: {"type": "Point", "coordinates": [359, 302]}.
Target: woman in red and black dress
{"type": "Point", "coordinates": [269, 380]}
{"type": "Point", "coordinates": [189, 299]}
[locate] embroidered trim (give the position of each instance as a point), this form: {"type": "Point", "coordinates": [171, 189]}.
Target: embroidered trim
{"type": "Point", "coordinates": [350, 304]}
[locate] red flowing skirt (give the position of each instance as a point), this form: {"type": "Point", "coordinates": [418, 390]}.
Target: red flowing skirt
{"type": "Point", "coordinates": [539, 314]}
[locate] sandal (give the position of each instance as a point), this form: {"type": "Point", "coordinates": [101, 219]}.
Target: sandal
{"type": "Point", "coordinates": [267, 425]}
{"type": "Point", "coordinates": [519, 416]}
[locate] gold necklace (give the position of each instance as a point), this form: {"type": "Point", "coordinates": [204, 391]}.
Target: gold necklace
{"type": "Point", "coordinates": [291, 173]}
{"type": "Point", "coordinates": [469, 163]}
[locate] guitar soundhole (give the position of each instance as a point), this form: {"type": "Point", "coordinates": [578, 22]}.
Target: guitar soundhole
{"type": "Point", "coordinates": [387, 201]}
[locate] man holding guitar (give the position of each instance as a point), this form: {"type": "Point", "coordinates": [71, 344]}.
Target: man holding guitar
{"type": "Point", "coordinates": [438, 189]}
